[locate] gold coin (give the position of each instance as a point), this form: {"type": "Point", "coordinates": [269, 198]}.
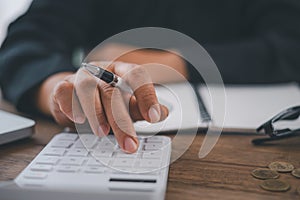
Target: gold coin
{"type": "Point", "coordinates": [296, 173]}
{"type": "Point", "coordinates": [281, 166]}
{"type": "Point", "coordinates": [275, 185]}
{"type": "Point", "coordinates": [263, 174]}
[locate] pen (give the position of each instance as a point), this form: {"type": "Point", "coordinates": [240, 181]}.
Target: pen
{"type": "Point", "coordinates": [107, 77]}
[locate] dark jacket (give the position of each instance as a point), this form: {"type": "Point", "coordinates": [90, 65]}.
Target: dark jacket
{"type": "Point", "coordinates": [251, 41]}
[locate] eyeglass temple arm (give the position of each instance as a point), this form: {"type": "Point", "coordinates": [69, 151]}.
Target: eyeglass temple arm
{"type": "Point", "coordinates": [268, 127]}
{"type": "Point", "coordinates": [259, 141]}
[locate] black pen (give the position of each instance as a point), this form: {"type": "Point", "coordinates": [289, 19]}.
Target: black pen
{"type": "Point", "coordinates": [107, 77]}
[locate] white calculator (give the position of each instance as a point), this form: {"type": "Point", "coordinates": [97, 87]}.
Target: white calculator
{"type": "Point", "coordinates": [83, 162]}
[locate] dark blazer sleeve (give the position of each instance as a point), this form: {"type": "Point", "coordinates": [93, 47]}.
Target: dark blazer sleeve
{"type": "Point", "coordinates": [39, 44]}
{"type": "Point", "coordinates": [269, 47]}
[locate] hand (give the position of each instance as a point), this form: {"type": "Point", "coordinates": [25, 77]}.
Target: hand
{"type": "Point", "coordinates": [101, 104]}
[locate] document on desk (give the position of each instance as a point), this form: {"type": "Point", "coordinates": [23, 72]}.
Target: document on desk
{"type": "Point", "coordinates": [246, 106]}
{"type": "Point", "coordinates": [184, 113]}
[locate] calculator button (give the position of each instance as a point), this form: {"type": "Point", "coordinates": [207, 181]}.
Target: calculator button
{"type": "Point", "coordinates": [67, 169]}
{"type": "Point", "coordinates": [54, 152]}
{"type": "Point", "coordinates": [94, 170]}
{"type": "Point", "coordinates": [126, 155]}
{"type": "Point", "coordinates": [123, 162]}
{"type": "Point", "coordinates": [61, 144]}
{"type": "Point", "coordinates": [78, 144]}
{"type": "Point", "coordinates": [152, 146]}
{"type": "Point", "coordinates": [154, 140]}
{"type": "Point", "coordinates": [35, 175]}
{"type": "Point", "coordinates": [44, 168]}
{"type": "Point", "coordinates": [78, 152]}
{"type": "Point", "coordinates": [94, 162]}
{"type": "Point", "coordinates": [88, 137]}
{"type": "Point", "coordinates": [70, 137]}
{"type": "Point", "coordinates": [72, 161]}
{"type": "Point", "coordinates": [150, 163]}
{"type": "Point", "coordinates": [153, 154]}
{"type": "Point", "coordinates": [102, 153]}
{"type": "Point", "coordinates": [106, 145]}
{"type": "Point", "coordinates": [48, 160]}
{"type": "Point", "coordinates": [109, 138]}
{"type": "Point", "coordinates": [88, 140]}
{"type": "Point", "coordinates": [104, 161]}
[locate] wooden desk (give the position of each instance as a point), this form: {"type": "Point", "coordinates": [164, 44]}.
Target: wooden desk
{"type": "Point", "coordinates": [223, 174]}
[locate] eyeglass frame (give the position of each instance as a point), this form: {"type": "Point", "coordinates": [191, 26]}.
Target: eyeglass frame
{"type": "Point", "coordinates": [268, 127]}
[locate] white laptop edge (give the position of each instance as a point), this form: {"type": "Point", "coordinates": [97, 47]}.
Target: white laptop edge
{"type": "Point", "coordinates": [14, 127]}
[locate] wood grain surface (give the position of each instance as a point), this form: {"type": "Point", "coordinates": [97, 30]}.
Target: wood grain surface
{"type": "Point", "coordinates": [223, 174]}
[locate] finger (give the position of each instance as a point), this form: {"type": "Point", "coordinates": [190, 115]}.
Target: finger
{"type": "Point", "coordinates": [135, 112]}
{"type": "Point", "coordinates": [67, 102]}
{"type": "Point", "coordinates": [123, 70]}
{"type": "Point", "coordinates": [59, 116]}
{"type": "Point", "coordinates": [139, 80]}
{"type": "Point", "coordinates": [100, 114]}
{"type": "Point", "coordinates": [119, 118]}
{"type": "Point", "coordinates": [88, 94]}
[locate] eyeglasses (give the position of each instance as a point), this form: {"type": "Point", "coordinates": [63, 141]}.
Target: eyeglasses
{"type": "Point", "coordinates": [276, 134]}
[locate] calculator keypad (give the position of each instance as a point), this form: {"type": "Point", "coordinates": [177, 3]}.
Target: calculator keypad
{"type": "Point", "coordinates": [87, 154]}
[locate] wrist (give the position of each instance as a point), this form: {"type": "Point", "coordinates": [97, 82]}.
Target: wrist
{"type": "Point", "coordinates": [175, 69]}
{"type": "Point", "coordinates": [176, 62]}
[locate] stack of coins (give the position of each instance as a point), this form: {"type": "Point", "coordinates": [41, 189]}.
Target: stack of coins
{"type": "Point", "coordinates": [270, 176]}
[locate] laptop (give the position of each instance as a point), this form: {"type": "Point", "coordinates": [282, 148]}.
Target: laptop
{"type": "Point", "coordinates": [14, 127]}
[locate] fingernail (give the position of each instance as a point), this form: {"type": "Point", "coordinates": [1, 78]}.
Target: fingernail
{"type": "Point", "coordinates": [154, 113]}
{"type": "Point", "coordinates": [130, 145]}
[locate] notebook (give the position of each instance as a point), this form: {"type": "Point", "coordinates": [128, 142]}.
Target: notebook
{"type": "Point", "coordinates": [246, 106]}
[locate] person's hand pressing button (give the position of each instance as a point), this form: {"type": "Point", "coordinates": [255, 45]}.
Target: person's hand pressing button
{"type": "Point", "coordinates": [82, 96]}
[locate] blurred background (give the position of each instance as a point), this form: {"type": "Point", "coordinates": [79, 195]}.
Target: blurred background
{"type": "Point", "coordinates": [9, 11]}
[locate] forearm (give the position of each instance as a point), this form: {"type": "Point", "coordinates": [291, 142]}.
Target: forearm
{"type": "Point", "coordinates": [158, 63]}
{"type": "Point", "coordinates": [167, 63]}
